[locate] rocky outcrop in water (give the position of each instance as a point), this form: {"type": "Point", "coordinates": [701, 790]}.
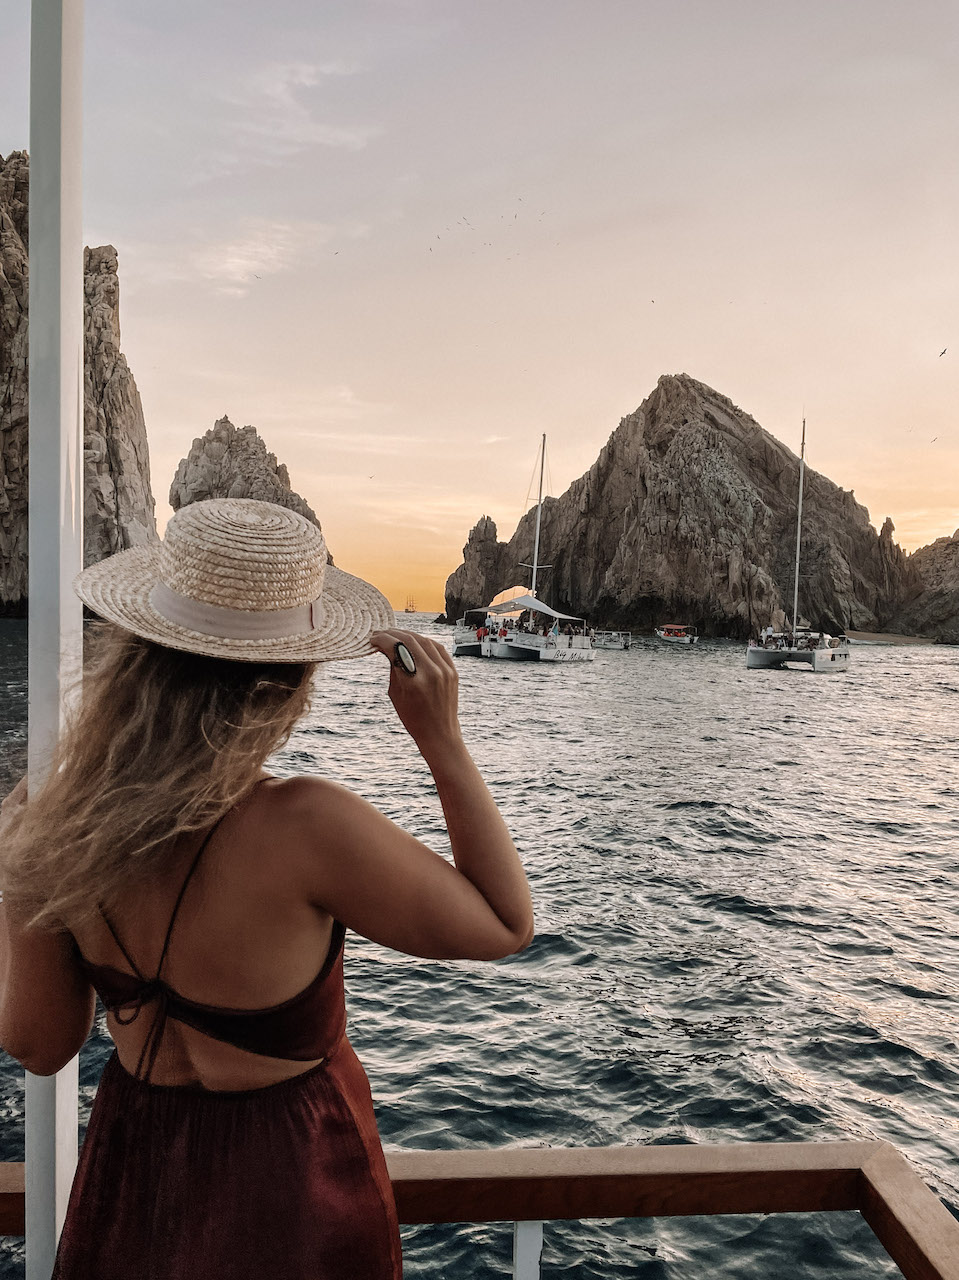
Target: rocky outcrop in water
{"type": "Point", "coordinates": [934, 611]}
{"type": "Point", "coordinates": [689, 514]}
{"type": "Point", "coordinates": [234, 462]}
{"type": "Point", "coordinates": [119, 508]}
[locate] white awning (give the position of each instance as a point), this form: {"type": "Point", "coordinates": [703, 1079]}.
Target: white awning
{"type": "Point", "coordinates": [519, 603]}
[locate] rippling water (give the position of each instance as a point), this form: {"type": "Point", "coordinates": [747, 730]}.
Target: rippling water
{"type": "Point", "coordinates": [747, 894]}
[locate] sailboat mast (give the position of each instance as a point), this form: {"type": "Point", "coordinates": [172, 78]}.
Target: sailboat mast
{"type": "Point", "coordinates": [802, 470]}
{"type": "Point", "coordinates": [539, 514]}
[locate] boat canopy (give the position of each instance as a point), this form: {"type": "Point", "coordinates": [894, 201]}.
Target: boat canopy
{"type": "Point", "coordinates": [519, 603]}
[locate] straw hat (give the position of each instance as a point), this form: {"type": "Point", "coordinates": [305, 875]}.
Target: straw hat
{"type": "Point", "coordinates": [239, 579]}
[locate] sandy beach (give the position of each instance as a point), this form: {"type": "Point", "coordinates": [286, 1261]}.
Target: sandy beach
{"type": "Point", "coordinates": [885, 637]}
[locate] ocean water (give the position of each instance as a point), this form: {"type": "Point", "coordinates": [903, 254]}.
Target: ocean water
{"type": "Point", "coordinates": [747, 898]}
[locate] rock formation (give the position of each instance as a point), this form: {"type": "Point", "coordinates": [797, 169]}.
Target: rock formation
{"type": "Point", "coordinates": [233, 462]}
{"type": "Point", "coordinates": [118, 501]}
{"type": "Point", "coordinates": [689, 514]}
{"type": "Point", "coordinates": [13, 382]}
{"type": "Point", "coordinates": [934, 610]}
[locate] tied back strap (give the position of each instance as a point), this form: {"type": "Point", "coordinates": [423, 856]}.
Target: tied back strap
{"type": "Point", "coordinates": [156, 988]}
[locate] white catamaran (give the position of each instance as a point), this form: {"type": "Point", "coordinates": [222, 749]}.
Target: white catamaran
{"type": "Point", "coordinates": [523, 628]}
{"type": "Point", "coordinates": [801, 645]}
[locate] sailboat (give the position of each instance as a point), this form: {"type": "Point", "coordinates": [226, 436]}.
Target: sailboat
{"type": "Point", "coordinates": [410, 605]}
{"type": "Point", "coordinates": [802, 644]}
{"type": "Point", "coordinates": [500, 629]}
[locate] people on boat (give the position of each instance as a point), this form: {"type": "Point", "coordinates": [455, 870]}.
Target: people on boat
{"type": "Point", "coordinates": [162, 866]}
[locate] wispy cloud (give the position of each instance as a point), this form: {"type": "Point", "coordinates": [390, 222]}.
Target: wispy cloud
{"type": "Point", "coordinates": [275, 114]}
{"type": "Point", "coordinates": [365, 442]}
{"type": "Point", "coordinates": [262, 247]}
{"type": "Point", "coordinates": [302, 413]}
{"type": "Point", "coordinates": [256, 249]}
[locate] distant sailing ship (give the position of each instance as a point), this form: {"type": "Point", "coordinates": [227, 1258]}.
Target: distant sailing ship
{"type": "Point", "coordinates": [803, 645]}
{"type": "Point", "coordinates": [410, 605]}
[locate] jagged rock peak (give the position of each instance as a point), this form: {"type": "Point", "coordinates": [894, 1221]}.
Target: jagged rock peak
{"type": "Point", "coordinates": [234, 462]}
{"type": "Point", "coordinates": [14, 191]}
{"type": "Point", "coordinates": [118, 503]}
{"type": "Point", "coordinates": [934, 609]}
{"type": "Point", "coordinates": [688, 514]}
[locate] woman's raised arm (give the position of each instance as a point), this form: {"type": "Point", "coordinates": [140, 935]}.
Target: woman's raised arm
{"type": "Point", "coordinates": [385, 884]}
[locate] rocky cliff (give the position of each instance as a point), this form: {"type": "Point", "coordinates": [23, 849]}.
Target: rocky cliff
{"type": "Point", "coordinates": [118, 501]}
{"type": "Point", "coordinates": [689, 514]}
{"type": "Point", "coordinates": [13, 382]}
{"type": "Point", "coordinates": [934, 610]}
{"type": "Point", "coordinates": [233, 462]}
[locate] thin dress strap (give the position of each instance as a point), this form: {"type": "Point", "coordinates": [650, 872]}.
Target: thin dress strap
{"type": "Point", "coordinates": [182, 894]}
{"type": "Point", "coordinates": [119, 941]}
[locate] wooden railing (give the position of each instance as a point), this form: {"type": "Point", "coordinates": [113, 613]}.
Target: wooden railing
{"type": "Point", "coordinates": [528, 1187]}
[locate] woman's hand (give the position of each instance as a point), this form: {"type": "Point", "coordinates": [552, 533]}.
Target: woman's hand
{"type": "Point", "coordinates": [425, 702]}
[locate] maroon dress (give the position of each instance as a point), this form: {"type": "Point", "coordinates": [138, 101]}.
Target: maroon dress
{"type": "Point", "coordinates": [285, 1182]}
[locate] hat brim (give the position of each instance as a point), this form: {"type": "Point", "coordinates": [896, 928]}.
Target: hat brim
{"type": "Point", "coordinates": [118, 590]}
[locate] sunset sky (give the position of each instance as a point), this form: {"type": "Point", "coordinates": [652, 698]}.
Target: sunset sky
{"type": "Point", "coordinates": [403, 238]}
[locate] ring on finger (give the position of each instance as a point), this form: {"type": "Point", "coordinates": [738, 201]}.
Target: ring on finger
{"type": "Point", "coordinates": [404, 660]}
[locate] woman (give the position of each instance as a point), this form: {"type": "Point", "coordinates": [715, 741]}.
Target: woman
{"type": "Point", "coordinates": [161, 866]}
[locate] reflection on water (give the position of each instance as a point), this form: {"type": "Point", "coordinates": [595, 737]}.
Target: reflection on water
{"type": "Point", "coordinates": [746, 892]}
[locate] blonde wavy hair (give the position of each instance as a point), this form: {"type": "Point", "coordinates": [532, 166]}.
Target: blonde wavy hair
{"type": "Point", "coordinates": [161, 745]}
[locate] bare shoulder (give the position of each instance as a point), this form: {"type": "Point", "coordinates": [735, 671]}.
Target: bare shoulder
{"type": "Point", "coordinates": [301, 819]}
{"type": "Point", "coordinates": [299, 803]}
{"type": "Point", "coordinates": [351, 861]}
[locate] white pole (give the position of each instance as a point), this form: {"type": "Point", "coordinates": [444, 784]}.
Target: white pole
{"type": "Point", "coordinates": [802, 471]}
{"type": "Point", "coordinates": [56, 518]}
{"type": "Point", "coordinates": [527, 1250]}
{"type": "Point", "coordinates": [539, 515]}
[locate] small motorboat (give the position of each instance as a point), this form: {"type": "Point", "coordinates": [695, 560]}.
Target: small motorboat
{"type": "Point", "coordinates": [677, 633]}
{"type": "Point", "coordinates": [612, 639]}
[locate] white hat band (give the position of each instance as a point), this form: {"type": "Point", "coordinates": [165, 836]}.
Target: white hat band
{"type": "Point", "coordinates": [234, 624]}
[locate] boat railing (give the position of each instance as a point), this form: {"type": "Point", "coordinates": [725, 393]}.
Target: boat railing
{"type": "Point", "coordinates": [530, 1187]}
{"type": "Point", "coordinates": [529, 639]}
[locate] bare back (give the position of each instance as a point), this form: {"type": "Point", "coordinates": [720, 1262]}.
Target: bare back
{"type": "Point", "coordinates": [246, 937]}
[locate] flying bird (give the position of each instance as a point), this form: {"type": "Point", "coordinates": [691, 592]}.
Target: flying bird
{"type": "Point", "coordinates": [943, 352]}
{"type": "Point", "coordinates": [934, 439]}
